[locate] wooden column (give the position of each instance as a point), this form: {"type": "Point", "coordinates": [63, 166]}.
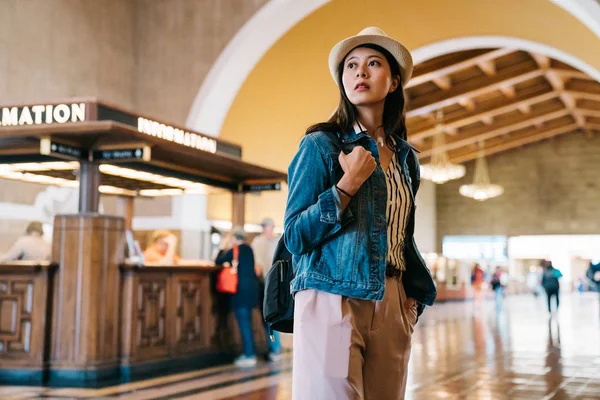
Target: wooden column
{"type": "Point", "coordinates": [238, 209]}
{"type": "Point", "coordinates": [85, 327]}
{"type": "Point", "coordinates": [89, 183]}
{"type": "Point", "coordinates": [125, 209]}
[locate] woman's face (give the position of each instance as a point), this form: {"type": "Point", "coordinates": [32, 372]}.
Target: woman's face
{"type": "Point", "coordinates": [367, 77]}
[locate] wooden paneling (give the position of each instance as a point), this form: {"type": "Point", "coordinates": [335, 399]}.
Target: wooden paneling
{"type": "Point", "coordinates": [191, 311]}
{"type": "Point", "coordinates": [89, 249]}
{"type": "Point", "coordinates": [169, 312]}
{"type": "Point", "coordinates": [23, 315]}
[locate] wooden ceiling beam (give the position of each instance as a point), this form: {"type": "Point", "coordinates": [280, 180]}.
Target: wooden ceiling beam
{"type": "Point", "coordinates": [570, 74]}
{"type": "Point", "coordinates": [589, 113]}
{"type": "Point", "coordinates": [508, 77]}
{"type": "Point", "coordinates": [571, 105]}
{"type": "Point", "coordinates": [505, 128]}
{"type": "Point", "coordinates": [488, 67]}
{"type": "Point", "coordinates": [525, 108]}
{"type": "Point", "coordinates": [555, 80]}
{"type": "Point", "coordinates": [508, 91]}
{"type": "Point", "coordinates": [443, 82]}
{"type": "Point", "coordinates": [578, 94]}
{"type": "Point", "coordinates": [470, 62]}
{"type": "Point", "coordinates": [541, 60]}
{"type": "Point", "coordinates": [587, 87]}
{"type": "Point", "coordinates": [467, 103]}
{"type": "Point", "coordinates": [488, 120]}
{"type": "Point", "coordinates": [522, 100]}
{"type": "Point", "coordinates": [516, 142]}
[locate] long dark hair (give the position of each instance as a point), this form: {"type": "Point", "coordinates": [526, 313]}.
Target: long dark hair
{"type": "Point", "coordinates": [346, 113]}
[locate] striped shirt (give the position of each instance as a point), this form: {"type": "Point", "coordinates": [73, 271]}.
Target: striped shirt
{"type": "Point", "coordinates": [397, 213]}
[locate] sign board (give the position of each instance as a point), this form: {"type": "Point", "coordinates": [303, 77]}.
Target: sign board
{"type": "Point", "coordinates": [60, 150]}
{"type": "Point", "coordinates": [123, 155]}
{"type": "Point", "coordinates": [262, 187]}
{"type": "Point", "coordinates": [42, 114]}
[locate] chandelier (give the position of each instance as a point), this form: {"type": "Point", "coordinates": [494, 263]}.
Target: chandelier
{"type": "Point", "coordinates": [440, 169]}
{"type": "Point", "coordinates": [481, 189]}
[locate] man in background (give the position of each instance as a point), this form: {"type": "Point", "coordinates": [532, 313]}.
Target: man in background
{"type": "Point", "coordinates": [162, 249]}
{"type": "Point", "coordinates": [30, 247]}
{"type": "Point", "coordinates": [264, 246]}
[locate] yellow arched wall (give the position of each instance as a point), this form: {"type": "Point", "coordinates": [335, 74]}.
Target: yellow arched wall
{"type": "Point", "coordinates": [290, 88]}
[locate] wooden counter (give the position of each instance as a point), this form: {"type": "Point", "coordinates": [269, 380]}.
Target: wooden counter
{"type": "Point", "coordinates": [169, 317]}
{"type": "Point", "coordinates": [25, 296]}
{"type": "Point", "coordinates": [89, 319]}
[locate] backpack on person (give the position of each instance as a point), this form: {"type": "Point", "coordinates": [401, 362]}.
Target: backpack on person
{"type": "Point", "coordinates": [278, 304]}
{"type": "Point", "coordinates": [550, 278]}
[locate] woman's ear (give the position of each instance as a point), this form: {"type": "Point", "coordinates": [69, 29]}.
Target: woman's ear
{"type": "Point", "coordinates": [395, 84]}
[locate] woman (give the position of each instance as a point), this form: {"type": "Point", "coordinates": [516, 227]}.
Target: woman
{"type": "Point", "coordinates": [245, 299]}
{"type": "Point", "coordinates": [31, 247]}
{"type": "Point", "coordinates": [360, 280]}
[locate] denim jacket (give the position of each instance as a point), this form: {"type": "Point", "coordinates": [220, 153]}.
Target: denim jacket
{"type": "Point", "coordinates": [344, 252]}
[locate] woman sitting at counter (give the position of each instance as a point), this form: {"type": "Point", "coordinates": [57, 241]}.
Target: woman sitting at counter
{"type": "Point", "coordinates": [246, 297]}
{"type": "Point", "coordinates": [162, 249]}
{"type": "Point", "coordinates": [30, 247]}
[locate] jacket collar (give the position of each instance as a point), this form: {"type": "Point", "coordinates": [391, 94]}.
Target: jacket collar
{"type": "Point", "coordinates": [358, 132]}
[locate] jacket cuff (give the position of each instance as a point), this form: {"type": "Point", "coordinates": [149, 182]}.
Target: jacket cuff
{"type": "Point", "coordinates": [330, 206]}
{"type": "Point", "coordinates": [341, 216]}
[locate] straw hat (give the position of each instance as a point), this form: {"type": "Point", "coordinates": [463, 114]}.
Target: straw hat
{"type": "Point", "coordinates": [372, 35]}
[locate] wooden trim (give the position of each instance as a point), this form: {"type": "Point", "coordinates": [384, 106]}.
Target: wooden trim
{"type": "Point", "coordinates": [516, 142]}
{"type": "Point", "coordinates": [471, 62]}
{"type": "Point", "coordinates": [505, 128]}
{"type": "Point", "coordinates": [22, 267]}
{"type": "Point", "coordinates": [475, 87]}
{"type": "Point", "coordinates": [522, 100]}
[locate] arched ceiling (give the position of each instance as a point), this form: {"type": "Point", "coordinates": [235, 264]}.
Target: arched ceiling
{"type": "Point", "coordinates": [505, 97]}
{"type": "Point", "coordinates": [290, 88]}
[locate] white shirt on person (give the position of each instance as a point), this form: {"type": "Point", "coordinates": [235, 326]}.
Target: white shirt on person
{"type": "Point", "coordinates": [264, 249]}
{"type": "Point", "coordinates": [30, 248]}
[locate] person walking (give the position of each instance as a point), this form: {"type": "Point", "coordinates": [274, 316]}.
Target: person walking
{"type": "Point", "coordinates": [497, 284]}
{"type": "Point", "coordinates": [360, 280]}
{"type": "Point", "coordinates": [550, 283]}
{"type": "Point", "coordinates": [264, 246]}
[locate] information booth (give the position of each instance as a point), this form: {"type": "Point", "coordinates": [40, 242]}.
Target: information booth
{"type": "Point", "coordinates": [89, 317]}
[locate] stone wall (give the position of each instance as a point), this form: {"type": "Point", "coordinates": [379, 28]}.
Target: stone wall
{"type": "Point", "coordinates": [177, 41]}
{"type": "Point", "coordinates": [53, 49]}
{"type": "Point", "coordinates": [552, 187]}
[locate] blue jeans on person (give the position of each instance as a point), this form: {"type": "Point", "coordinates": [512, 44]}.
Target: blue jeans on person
{"type": "Point", "coordinates": [499, 295]}
{"type": "Point", "coordinates": [244, 320]}
{"type": "Point", "coordinates": [275, 345]}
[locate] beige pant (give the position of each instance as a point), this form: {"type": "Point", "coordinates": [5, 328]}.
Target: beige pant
{"type": "Point", "coordinates": [348, 348]}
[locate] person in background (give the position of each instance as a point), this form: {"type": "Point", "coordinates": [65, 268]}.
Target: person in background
{"type": "Point", "coordinates": [497, 283]}
{"type": "Point", "coordinates": [30, 247]}
{"type": "Point", "coordinates": [550, 277]}
{"type": "Point", "coordinates": [162, 249]}
{"type": "Point", "coordinates": [246, 297]}
{"type": "Point", "coordinates": [477, 280]}
{"type": "Point", "coordinates": [264, 246]}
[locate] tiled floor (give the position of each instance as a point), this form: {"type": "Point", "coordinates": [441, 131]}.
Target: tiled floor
{"type": "Point", "coordinates": [460, 351]}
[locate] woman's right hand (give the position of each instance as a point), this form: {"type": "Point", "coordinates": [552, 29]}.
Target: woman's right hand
{"type": "Point", "coordinates": [358, 167]}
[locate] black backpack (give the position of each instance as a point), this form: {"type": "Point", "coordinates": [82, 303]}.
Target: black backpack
{"type": "Point", "coordinates": [278, 305]}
